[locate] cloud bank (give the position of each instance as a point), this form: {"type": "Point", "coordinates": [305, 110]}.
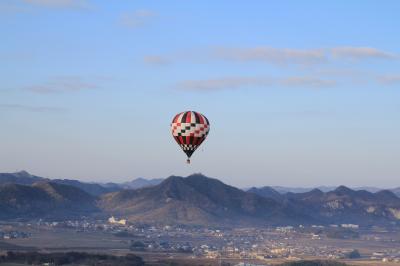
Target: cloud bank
{"type": "Point", "coordinates": [35, 109]}
{"type": "Point", "coordinates": [271, 55]}
{"type": "Point", "coordinates": [361, 53]}
{"type": "Point", "coordinates": [59, 3]}
{"type": "Point", "coordinates": [232, 83]}
{"type": "Point", "coordinates": [156, 60]}
{"type": "Point", "coordinates": [281, 56]}
{"type": "Point", "coordinates": [62, 84]}
{"type": "Point", "coordinates": [389, 79]}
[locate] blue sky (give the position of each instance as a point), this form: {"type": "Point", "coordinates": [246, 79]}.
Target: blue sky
{"type": "Point", "coordinates": [299, 93]}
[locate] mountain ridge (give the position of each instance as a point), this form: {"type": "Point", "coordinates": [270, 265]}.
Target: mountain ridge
{"type": "Point", "coordinates": [95, 189]}
{"type": "Point", "coordinates": [44, 199]}
{"type": "Point", "coordinates": [195, 200]}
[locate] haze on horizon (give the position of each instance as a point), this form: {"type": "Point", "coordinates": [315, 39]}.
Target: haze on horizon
{"type": "Point", "coordinates": [297, 93]}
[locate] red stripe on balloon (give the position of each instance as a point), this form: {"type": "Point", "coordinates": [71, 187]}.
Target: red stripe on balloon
{"type": "Point", "coordinates": [201, 119]}
{"type": "Point", "coordinates": [176, 118]}
{"type": "Point", "coordinates": [189, 117]}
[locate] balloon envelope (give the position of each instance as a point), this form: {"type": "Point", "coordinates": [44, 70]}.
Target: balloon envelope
{"type": "Point", "coordinates": [190, 129]}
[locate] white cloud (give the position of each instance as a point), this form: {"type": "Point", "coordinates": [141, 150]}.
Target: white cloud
{"type": "Point", "coordinates": [310, 82]}
{"type": "Point", "coordinates": [282, 56]}
{"type": "Point", "coordinates": [137, 19]}
{"type": "Point", "coordinates": [231, 83]}
{"type": "Point", "coordinates": [224, 83]}
{"type": "Point", "coordinates": [271, 55]}
{"type": "Point", "coordinates": [62, 84]}
{"type": "Point", "coordinates": [29, 108]}
{"type": "Point", "coordinates": [389, 79]}
{"type": "Point", "coordinates": [59, 3]}
{"type": "Point", "coordinates": [350, 52]}
{"type": "Point", "coordinates": [156, 60]}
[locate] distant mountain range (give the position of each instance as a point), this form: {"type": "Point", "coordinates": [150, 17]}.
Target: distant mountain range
{"type": "Point", "coordinates": [25, 178]}
{"type": "Point", "coordinates": [134, 184]}
{"type": "Point", "coordinates": [342, 205]}
{"type": "Point", "coordinates": [283, 190]}
{"type": "Point", "coordinates": [396, 191]}
{"type": "Point", "coordinates": [198, 200]}
{"type": "Point", "coordinates": [194, 200]}
{"type": "Point", "coordinates": [94, 189]}
{"type": "Point", "coordinates": [45, 200]}
{"type": "Point", "coordinates": [267, 192]}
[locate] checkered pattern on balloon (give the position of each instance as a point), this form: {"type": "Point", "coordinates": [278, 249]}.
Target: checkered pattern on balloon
{"type": "Point", "coordinates": [190, 129]}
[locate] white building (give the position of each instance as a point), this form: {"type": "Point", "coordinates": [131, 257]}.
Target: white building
{"type": "Point", "coordinates": [112, 220]}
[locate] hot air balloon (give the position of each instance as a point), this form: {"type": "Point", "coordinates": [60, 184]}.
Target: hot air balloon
{"type": "Point", "coordinates": [190, 129]}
